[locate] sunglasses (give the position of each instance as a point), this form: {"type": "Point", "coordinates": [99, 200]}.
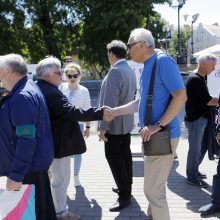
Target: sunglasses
{"type": "Point", "coordinates": [75, 76]}
{"type": "Point", "coordinates": [131, 45]}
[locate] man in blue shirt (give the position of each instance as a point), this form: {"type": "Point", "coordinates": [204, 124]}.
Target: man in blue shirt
{"type": "Point", "coordinates": [25, 135]}
{"type": "Point", "coordinates": [168, 83]}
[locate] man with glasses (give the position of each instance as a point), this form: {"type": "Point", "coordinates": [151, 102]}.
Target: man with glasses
{"type": "Point", "coordinates": [118, 88]}
{"type": "Point", "coordinates": [168, 98]}
{"type": "Point", "coordinates": [65, 129]}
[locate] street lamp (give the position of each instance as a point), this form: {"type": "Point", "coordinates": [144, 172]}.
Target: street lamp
{"type": "Point", "coordinates": [167, 31]}
{"type": "Point", "coordinates": [194, 19]}
{"type": "Point", "coordinates": [180, 57]}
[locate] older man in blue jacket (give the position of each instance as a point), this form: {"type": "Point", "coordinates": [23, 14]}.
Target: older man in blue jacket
{"type": "Point", "coordinates": [26, 143]}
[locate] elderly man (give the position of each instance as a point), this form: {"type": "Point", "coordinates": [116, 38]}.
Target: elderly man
{"type": "Point", "coordinates": [26, 143]}
{"type": "Point", "coordinates": [118, 88]}
{"type": "Point", "coordinates": [168, 98]}
{"type": "Point", "coordinates": [197, 113]}
{"type": "Point", "coordinates": [68, 139]}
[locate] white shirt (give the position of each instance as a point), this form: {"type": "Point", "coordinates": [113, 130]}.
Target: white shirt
{"type": "Point", "coordinates": [79, 98]}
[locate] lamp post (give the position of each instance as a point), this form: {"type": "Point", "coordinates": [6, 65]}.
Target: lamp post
{"type": "Point", "coordinates": [194, 19]}
{"type": "Point", "coordinates": [180, 57]}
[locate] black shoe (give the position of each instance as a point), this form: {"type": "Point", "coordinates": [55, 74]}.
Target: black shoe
{"type": "Point", "coordinates": [198, 183]}
{"type": "Point", "coordinates": [121, 203]}
{"type": "Point", "coordinates": [115, 190]}
{"type": "Point", "coordinates": [202, 175]}
{"type": "Point", "coordinates": [209, 209]}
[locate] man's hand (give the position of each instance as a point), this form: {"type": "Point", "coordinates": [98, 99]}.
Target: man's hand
{"type": "Point", "coordinates": [108, 114]}
{"type": "Point", "coordinates": [102, 136]}
{"type": "Point", "coordinates": [12, 185]}
{"type": "Point", "coordinates": [147, 131]}
{"type": "Point", "coordinates": [218, 138]}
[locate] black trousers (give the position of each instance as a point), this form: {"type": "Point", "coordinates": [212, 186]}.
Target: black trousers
{"type": "Point", "coordinates": [118, 155]}
{"type": "Point", "coordinates": [43, 198]}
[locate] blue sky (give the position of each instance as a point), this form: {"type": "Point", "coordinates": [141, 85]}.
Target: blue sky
{"type": "Point", "coordinates": [209, 11]}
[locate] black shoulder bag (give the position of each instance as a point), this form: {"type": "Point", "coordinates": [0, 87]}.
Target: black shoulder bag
{"type": "Point", "coordinates": [159, 143]}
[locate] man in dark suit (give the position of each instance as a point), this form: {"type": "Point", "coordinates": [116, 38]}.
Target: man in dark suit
{"type": "Point", "coordinates": [67, 137]}
{"type": "Point", "coordinates": [118, 88]}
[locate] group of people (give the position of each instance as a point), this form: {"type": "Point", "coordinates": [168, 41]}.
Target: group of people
{"type": "Point", "coordinates": [40, 131]}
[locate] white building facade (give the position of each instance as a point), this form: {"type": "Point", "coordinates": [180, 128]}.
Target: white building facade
{"type": "Point", "coordinates": [204, 36]}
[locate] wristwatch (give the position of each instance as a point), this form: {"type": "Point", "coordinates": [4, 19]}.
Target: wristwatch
{"type": "Point", "coordinates": [159, 125]}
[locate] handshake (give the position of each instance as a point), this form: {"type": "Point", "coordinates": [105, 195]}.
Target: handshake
{"type": "Point", "coordinates": [108, 113]}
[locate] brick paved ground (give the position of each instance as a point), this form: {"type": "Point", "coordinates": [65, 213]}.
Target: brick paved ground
{"type": "Point", "coordinates": [94, 197]}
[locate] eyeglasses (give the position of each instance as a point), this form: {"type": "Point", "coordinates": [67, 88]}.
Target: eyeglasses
{"type": "Point", "coordinates": [75, 76]}
{"type": "Point", "coordinates": [131, 45]}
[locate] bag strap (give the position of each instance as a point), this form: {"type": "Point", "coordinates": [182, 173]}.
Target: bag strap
{"type": "Point", "coordinates": [150, 95]}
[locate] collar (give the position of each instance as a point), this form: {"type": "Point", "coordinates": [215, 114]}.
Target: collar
{"type": "Point", "coordinates": [119, 61]}
{"type": "Point", "coordinates": [200, 76]}
{"type": "Point", "coordinates": [150, 58]}
{"type": "Point", "coordinates": [46, 82]}
{"type": "Point", "coordinates": [22, 81]}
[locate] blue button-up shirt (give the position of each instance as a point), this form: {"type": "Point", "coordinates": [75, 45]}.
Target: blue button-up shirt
{"type": "Point", "coordinates": [167, 80]}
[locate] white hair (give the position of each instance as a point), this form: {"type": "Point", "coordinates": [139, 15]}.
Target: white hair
{"type": "Point", "coordinates": [141, 34]}
{"type": "Point", "coordinates": [47, 66]}
{"type": "Point", "coordinates": [207, 57]}
{"type": "Point", "coordinates": [15, 63]}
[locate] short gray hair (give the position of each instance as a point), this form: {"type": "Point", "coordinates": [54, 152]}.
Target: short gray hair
{"type": "Point", "coordinates": [207, 57]}
{"type": "Point", "coordinates": [47, 66]}
{"type": "Point", "coordinates": [141, 34]}
{"type": "Point", "coordinates": [15, 63]}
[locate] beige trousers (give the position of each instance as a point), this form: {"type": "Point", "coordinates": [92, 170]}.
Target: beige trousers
{"type": "Point", "coordinates": [156, 172]}
{"type": "Point", "coordinates": [60, 179]}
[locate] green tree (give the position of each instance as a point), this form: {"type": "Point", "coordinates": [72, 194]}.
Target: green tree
{"type": "Point", "coordinates": [173, 46]}
{"type": "Point", "coordinates": [51, 27]}
{"type": "Point", "coordinates": [36, 28]}
{"type": "Point", "coordinates": [155, 25]}
{"type": "Point", "coordinates": [11, 29]}
{"type": "Point", "coordinates": [103, 21]}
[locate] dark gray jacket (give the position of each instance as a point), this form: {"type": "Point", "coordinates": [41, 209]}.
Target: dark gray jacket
{"type": "Point", "coordinates": [118, 88]}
